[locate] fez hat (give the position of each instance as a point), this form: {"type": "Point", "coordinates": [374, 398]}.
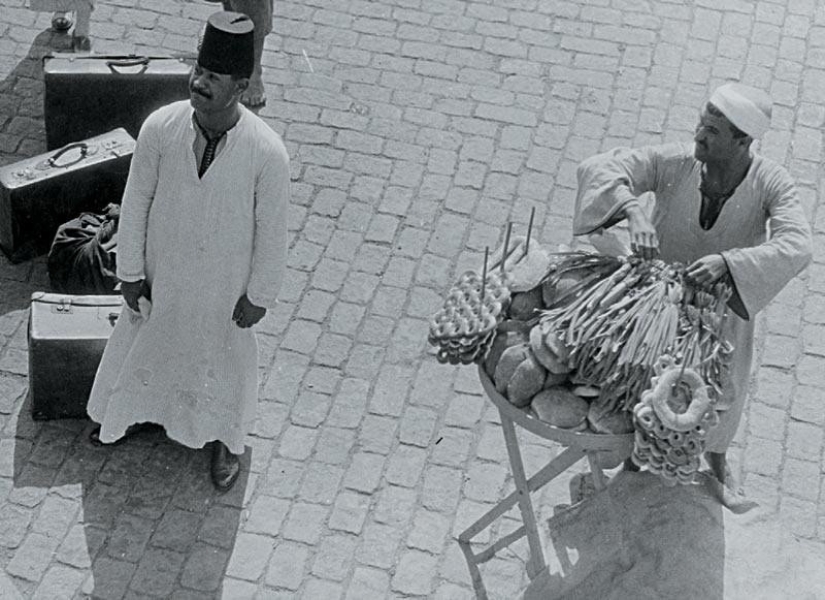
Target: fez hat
{"type": "Point", "coordinates": [227, 46]}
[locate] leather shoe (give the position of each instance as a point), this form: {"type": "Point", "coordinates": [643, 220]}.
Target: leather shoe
{"type": "Point", "coordinates": [225, 467]}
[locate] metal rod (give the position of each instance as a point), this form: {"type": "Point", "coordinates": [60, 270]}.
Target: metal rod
{"type": "Point", "coordinates": [506, 244]}
{"type": "Point", "coordinates": [529, 229]}
{"type": "Point", "coordinates": [484, 275]}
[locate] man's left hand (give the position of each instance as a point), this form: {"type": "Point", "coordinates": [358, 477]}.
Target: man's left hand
{"type": "Point", "coordinates": [707, 269]}
{"type": "Point", "coordinates": [247, 314]}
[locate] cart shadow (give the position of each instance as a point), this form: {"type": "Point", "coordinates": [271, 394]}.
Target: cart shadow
{"type": "Point", "coordinates": [141, 517]}
{"type": "Point", "coordinates": [636, 539]}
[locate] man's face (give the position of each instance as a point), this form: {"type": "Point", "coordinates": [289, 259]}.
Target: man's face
{"type": "Point", "coordinates": [211, 92]}
{"type": "Point", "coordinates": [714, 139]}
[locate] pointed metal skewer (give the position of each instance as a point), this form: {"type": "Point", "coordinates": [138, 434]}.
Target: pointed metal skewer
{"type": "Point", "coordinates": [506, 245]}
{"type": "Point", "coordinates": [529, 230]}
{"type": "Point", "coordinates": [484, 275]}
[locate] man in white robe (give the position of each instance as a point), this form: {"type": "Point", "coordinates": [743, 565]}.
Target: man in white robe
{"type": "Point", "coordinates": [202, 243]}
{"type": "Point", "coordinates": [719, 208]}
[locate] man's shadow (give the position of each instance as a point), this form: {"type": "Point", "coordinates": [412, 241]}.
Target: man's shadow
{"type": "Point", "coordinates": [636, 539]}
{"type": "Point", "coordinates": [141, 516]}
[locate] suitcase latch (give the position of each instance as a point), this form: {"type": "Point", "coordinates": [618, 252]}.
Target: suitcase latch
{"type": "Point", "coordinates": [63, 307]}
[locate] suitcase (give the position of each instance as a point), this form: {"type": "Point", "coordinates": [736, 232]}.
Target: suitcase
{"type": "Point", "coordinates": [39, 194]}
{"type": "Point", "coordinates": [87, 95]}
{"type": "Point", "coordinates": [67, 335]}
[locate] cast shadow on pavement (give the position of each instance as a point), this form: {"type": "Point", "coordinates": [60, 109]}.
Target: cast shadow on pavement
{"type": "Point", "coordinates": [636, 539]}
{"type": "Point", "coordinates": [141, 517]}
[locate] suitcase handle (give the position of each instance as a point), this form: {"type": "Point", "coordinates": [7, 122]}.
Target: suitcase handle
{"type": "Point", "coordinates": [84, 151]}
{"type": "Point", "coordinates": [138, 61]}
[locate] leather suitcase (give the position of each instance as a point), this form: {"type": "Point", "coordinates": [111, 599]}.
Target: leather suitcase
{"type": "Point", "coordinates": [67, 335]}
{"type": "Point", "coordinates": [39, 194]}
{"type": "Point", "coordinates": [89, 94]}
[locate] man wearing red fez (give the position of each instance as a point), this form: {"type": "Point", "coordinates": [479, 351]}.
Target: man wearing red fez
{"type": "Point", "coordinates": [202, 251]}
{"type": "Point", "coordinates": [723, 210]}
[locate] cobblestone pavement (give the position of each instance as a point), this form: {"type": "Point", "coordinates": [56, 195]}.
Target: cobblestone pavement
{"type": "Point", "coordinates": [417, 129]}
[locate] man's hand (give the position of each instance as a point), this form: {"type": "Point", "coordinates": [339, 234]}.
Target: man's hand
{"type": "Point", "coordinates": [707, 269]}
{"type": "Point", "coordinates": [247, 314]}
{"type": "Point", "coordinates": [132, 290]}
{"type": "Point", "coordinates": [643, 239]}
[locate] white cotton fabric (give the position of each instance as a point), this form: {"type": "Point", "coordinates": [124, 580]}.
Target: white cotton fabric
{"type": "Point", "coordinates": [201, 244]}
{"type": "Point", "coordinates": [740, 105]}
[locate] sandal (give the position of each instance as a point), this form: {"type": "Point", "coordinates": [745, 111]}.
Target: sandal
{"type": "Point", "coordinates": [225, 467]}
{"type": "Point", "coordinates": [61, 23]}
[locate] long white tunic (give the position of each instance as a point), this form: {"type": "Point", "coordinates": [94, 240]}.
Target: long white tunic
{"type": "Point", "coordinates": [762, 233]}
{"type": "Point", "coordinates": [201, 244]}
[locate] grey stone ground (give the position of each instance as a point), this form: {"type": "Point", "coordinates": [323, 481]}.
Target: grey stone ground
{"type": "Point", "coordinates": [417, 129]}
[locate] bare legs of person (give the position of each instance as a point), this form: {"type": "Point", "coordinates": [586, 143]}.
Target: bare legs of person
{"type": "Point", "coordinates": [260, 11]}
{"type": "Point", "coordinates": [80, 37]}
{"type": "Point", "coordinates": [724, 486]}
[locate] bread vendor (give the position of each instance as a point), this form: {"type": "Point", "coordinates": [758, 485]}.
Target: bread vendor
{"type": "Point", "coordinates": [719, 208]}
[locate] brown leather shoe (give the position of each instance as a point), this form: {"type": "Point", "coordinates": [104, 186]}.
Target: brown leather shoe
{"type": "Point", "coordinates": [225, 467]}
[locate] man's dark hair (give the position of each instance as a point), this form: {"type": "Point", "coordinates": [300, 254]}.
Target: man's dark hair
{"type": "Point", "coordinates": [714, 110]}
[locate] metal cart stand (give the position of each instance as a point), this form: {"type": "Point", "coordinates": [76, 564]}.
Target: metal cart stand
{"type": "Point", "coordinates": [577, 447]}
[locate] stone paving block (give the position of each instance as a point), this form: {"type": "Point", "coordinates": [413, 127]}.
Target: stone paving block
{"type": "Point", "coordinates": [250, 556]}
{"type": "Point", "coordinates": [349, 512]}
{"type": "Point", "coordinates": [287, 565]}
{"type": "Point", "coordinates": [364, 361]}
{"type": "Point", "coordinates": [405, 465]}
{"type": "Point", "coordinates": [297, 442]}
{"type": "Point", "coordinates": [128, 540]}
{"type": "Point", "coordinates": [320, 483]}
{"type": "Point", "coordinates": [336, 557]}
{"type": "Point", "coordinates": [348, 404]}
{"type": "Point", "coordinates": [774, 387]}
{"type": "Point", "coordinates": [219, 526]}
{"type": "Point", "coordinates": [799, 478]}
{"type": "Point", "coordinates": [364, 472]}
{"type": "Point", "coordinates": [110, 579]}
{"type": "Point", "coordinates": [32, 558]}
{"type": "Point", "coordinates": [806, 405]}
{"type": "Point", "coordinates": [368, 583]}
{"type": "Point", "coordinates": [766, 421]}
{"type": "Point", "coordinates": [799, 516]}
{"type": "Point", "coordinates": [484, 481]}
{"type": "Point", "coordinates": [305, 523]}
{"type": "Point", "coordinates": [763, 457]}
{"type": "Point", "coordinates": [388, 393]}
{"type": "Point", "coordinates": [177, 530]}
{"type": "Point", "coordinates": [805, 441]}
{"type": "Point", "coordinates": [394, 506]}
{"type": "Point", "coordinates": [60, 582]}
{"type": "Point", "coordinates": [204, 570]}
{"type": "Point", "coordinates": [414, 573]}
{"type": "Point", "coordinates": [80, 545]}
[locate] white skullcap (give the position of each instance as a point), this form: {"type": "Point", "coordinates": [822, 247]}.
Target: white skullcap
{"type": "Point", "coordinates": [746, 107]}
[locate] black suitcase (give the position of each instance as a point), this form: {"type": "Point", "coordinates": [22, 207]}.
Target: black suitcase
{"type": "Point", "coordinates": [67, 335]}
{"type": "Point", "coordinates": [89, 94]}
{"type": "Point", "coordinates": [39, 194]}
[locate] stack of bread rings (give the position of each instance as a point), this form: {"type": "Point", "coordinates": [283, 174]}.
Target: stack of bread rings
{"type": "Point", "coordinates": [465, 326]}
{"type": "Point", "coordinates": [672, 421]}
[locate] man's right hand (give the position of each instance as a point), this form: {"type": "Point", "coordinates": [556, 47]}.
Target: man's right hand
{"type": "Point", "coordinates": [643, 239]}
{"type": "Point", "coordinates": [132, 290]}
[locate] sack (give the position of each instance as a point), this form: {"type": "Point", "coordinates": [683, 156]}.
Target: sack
{"type": "Point", "coordinates": [83, 256]}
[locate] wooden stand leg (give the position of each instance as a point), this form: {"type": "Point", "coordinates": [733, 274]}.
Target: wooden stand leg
{"type": "Point", "coordinates": [536, 562]}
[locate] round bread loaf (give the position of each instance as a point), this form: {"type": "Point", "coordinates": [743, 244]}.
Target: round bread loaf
{"type": "Point", "coordinates": [560, 407]}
